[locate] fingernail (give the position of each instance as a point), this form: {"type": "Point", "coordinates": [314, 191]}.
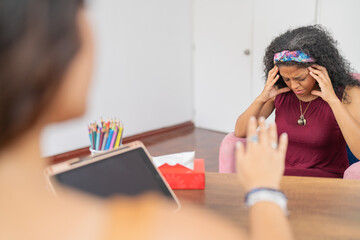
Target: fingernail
{"type": "Point", "coordinates": [252, 118]}
{"type": "Point", "coordinates": [284, 135]}
{"type": "Point", "coordinates": [238, 144]}
{"type": "Point", "coordinates": [261, 119]}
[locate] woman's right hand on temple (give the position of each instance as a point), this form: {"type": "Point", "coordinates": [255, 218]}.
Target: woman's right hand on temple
{"type": "Point", "coordinates": [270, 90]}
{"type": "Point", "coordinates": [262, 163]}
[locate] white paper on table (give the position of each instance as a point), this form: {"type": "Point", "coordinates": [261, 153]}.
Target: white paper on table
{"type": "Point", "coordinates": [185, 159]}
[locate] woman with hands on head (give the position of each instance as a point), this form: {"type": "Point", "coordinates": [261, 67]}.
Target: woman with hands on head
{"type": "Point", "coordinates": [316, 101]}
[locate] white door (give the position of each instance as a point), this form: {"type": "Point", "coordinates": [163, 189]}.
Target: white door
{"type": "Point", "coordinates": [222, 61]}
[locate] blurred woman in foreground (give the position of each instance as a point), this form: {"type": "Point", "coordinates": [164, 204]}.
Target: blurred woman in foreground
{"type": "Point", "coordinates": [46, 55]}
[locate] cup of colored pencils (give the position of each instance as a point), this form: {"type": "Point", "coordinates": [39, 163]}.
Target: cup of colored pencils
{"type": "Point", "coordinates": [105, 136]}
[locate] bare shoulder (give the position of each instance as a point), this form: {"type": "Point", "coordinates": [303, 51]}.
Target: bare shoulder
{"type": "Point", "coordinates": [353, 95]}
{"type": "Point", "coordinates": [352, 89]}
{"type": "Point", "coordinates": [352, 103]}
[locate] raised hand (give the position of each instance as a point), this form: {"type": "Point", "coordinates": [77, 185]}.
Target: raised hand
{"type": "Point", "coordinates": [270, 90]}
{"type": "Point", "coordinates": [321, 75]}
{"type": "Point", "coordinates": [262, 163]}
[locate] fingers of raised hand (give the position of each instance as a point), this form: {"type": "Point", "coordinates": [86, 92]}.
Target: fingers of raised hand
{"type": "Point", "coordinates": [316, 93]}
{"type": "Point", "coordinates": [263, 133]}
{"type": "Point", "coordinates": [317, 77]}
{"type": "Point", "coordinates": [240, 151]}
{"type": "Point", "coordinates": [252, 136]}
{"type": "Point", "coordinates": [272, 73]}
{"type": "Point", "coordinates": [274, 80]}
{"type": "Point", "coordinates": [283, 143]}
{"type": "Point", "coordinates": [273, 138]}
{"type": "Point", "coordinates": [320, 71]}
{"type": "Point", "coordinates": [316, 71]}
{"type": "Point", "coordinates": [274, 69]}
{"type": "Point", "coordinates": [265, 136]}
{"type": "Point", "coordinates": [324, 82]}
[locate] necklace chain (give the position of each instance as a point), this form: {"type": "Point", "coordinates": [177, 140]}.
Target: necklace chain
{"type": "Point", "coordinates": [302, 114]}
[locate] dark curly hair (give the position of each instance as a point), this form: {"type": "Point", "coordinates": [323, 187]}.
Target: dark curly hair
{"type": "Point", "coordinates": [38, 40]}
{"type": "Point", "coordinates": [316, 42]}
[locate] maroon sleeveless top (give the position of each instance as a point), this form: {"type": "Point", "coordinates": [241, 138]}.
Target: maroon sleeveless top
{"type": "Point", "coordinates": [317, 149]}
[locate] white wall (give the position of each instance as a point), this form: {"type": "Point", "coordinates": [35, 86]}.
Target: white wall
{"type": "Point", "coordinates": [342, 19]}
{"type": "Point", "coordinates": [143, 70]}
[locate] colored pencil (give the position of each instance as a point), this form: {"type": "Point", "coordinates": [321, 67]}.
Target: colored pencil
{"type": "Point", "coordinates": [106, 135]}
{"type": "Point", "coordinates": [109, 139]}
{"type": "Point", "coordinates": [97, 139]}
{"type": "Point", "coordinates": [117, 142]}
{"type": "Point", "coordinates": [104, 141]}
{"type": "Point", "coordinates": [90, 136]}
{"type": "Point", "coordinates": [102, 133]}
{"type": "Point", "coordinates": [94, 135]}
{"type": "Point", "coordinates": [113, 138]}
{"type": "Point", "coordinates": [122, 133]}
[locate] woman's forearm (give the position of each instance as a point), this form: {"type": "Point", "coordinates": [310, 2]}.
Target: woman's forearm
{"type": "Point", "coordinates": [253, 110]}
{"type": "Point", "coordinates": [263, 105]}
{"type": "Point", "coordinates": [350, 128]}
{"type": "Point", "coordinates": [268, 221]}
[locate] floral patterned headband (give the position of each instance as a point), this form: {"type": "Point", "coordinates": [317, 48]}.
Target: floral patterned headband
{"type": "Point", "coordinates": [296, 56]}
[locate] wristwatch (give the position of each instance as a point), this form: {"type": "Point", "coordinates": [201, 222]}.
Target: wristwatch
{"type": "Point", "coordinates": [268, 195]}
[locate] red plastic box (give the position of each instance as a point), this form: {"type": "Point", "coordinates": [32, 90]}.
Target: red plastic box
{"type": "Point", "coordinates": [180, 177]}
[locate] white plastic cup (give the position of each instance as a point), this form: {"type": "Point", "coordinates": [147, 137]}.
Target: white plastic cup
{"type": "Point", "coordinates": [93, 151]}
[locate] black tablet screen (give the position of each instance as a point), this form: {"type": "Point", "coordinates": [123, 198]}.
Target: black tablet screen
{"type": "Point", "coordinates": [129, 173]}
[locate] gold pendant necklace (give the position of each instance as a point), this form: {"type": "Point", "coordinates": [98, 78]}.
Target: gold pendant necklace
{"type": "Point", "coordinates": [302, 120]}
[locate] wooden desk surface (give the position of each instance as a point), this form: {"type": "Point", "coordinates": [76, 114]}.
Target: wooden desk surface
{"type": "Point", "coordinates": [320, 208]}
